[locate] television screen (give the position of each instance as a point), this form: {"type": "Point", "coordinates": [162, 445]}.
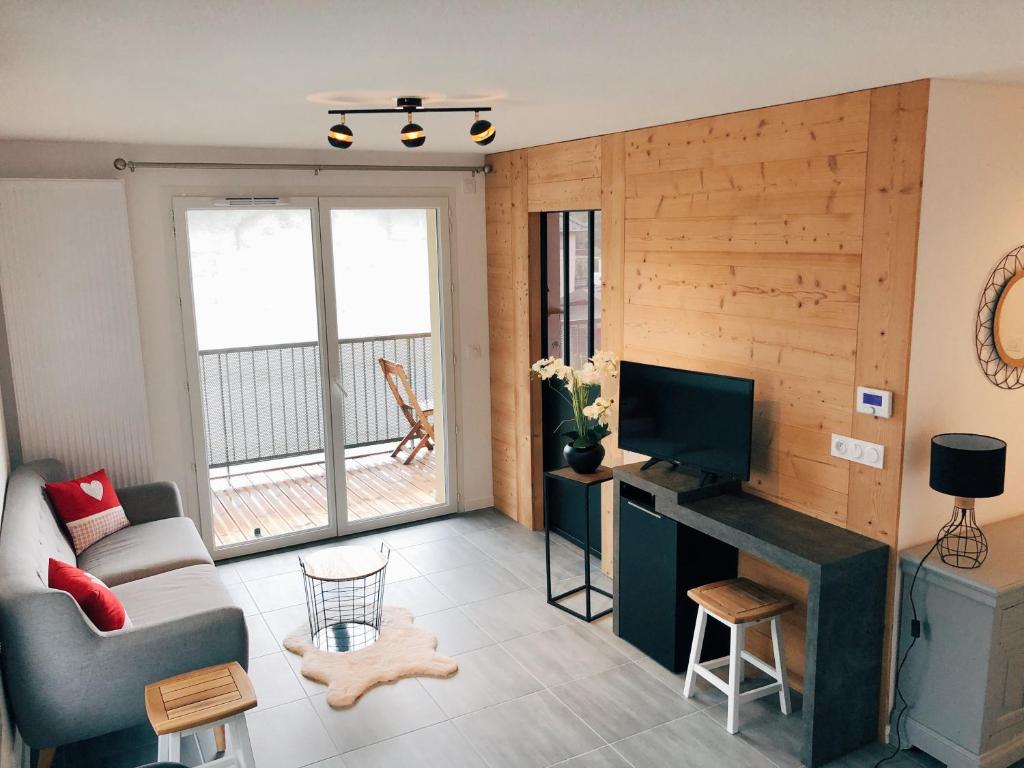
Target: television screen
{"type": "Point", "coordinates": [699, 420]}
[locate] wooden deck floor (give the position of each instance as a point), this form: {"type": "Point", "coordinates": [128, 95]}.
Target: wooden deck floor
{"type": "Point", "coordinates": [280, 501]}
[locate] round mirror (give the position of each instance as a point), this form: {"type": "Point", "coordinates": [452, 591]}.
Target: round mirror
{"type": "Point", "coordinates": [1008, 328]}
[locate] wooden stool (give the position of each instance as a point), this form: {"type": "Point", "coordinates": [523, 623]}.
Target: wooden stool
{"type": "Point", "coordinates": [215, 697]}
{"type": "Point", "coordinates": [738, 603]}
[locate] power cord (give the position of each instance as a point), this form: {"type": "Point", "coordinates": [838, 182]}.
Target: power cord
{"type": "Point", "coordinates": [915, 633]}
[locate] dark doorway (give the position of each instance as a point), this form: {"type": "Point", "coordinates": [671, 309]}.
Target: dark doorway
{"type": "Point", "coordinates": [571, 330]}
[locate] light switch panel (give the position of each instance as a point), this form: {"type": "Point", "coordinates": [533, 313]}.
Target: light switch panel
{"type": "Point", "coordinates": [860, 451]}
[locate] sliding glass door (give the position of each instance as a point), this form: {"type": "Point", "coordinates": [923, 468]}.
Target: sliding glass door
{"type": "Point", "coordinates": [316, 335]}
{"type": "Point", "coordinates": [392, 370]}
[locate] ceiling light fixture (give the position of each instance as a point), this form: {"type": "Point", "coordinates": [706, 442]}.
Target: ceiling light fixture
{"type": "Point", "coordinates": [340, 135]}
{"type": "Point", "coordinates": [413, 134]}
{"type": "Point", "coordinates": [482, 132]}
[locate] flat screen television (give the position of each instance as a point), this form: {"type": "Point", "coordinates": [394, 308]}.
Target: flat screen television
{"type": "Point", "coordinates": [699, 421]}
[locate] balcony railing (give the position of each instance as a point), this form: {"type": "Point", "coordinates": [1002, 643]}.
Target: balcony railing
{"type": "Point", "coordinates": [266, 402]}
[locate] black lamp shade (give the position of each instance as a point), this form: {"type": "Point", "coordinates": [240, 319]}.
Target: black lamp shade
{"type": "Point", "coordinates": [340, 136]}
{"type": "Point", "coordinates": [482, 132]}
{"type": "Point", "coordinates": [413, 135]}
{"type": "Point", "coordinates": [966, 465]}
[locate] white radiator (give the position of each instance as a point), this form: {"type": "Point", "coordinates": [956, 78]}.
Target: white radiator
{"type": "Point", "coordinates": [68, 294]}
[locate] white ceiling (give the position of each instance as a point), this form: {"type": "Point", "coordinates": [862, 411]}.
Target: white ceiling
{"type": "Point", "coordinates": [240, 73]}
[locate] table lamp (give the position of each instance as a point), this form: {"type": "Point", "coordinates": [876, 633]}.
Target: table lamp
{"type": "Point", "coordinates": [967, 467]}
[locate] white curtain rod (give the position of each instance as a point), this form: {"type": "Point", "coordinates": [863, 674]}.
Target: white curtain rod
{"type": "Point", "coordinates": [133, 165]}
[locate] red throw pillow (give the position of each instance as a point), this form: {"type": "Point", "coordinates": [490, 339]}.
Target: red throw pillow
{"type": "Point", "coordinates": [89, 507]}
{"type": "Point", "coordinates": [95, 598]}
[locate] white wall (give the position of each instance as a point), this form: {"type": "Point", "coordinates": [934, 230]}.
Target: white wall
{"type": "Point", "coordinates": [150, 193]}
{"type": "Point", "coordinates": [972, 214]}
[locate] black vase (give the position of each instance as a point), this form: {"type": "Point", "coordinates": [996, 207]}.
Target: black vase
{"type": "Point", "coordinates": [584, 460]}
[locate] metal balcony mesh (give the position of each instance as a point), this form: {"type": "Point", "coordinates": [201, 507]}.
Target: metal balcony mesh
{"type": "Point", "coordinates": [265, 402]}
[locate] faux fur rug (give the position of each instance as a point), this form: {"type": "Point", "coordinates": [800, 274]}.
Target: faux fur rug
{"type": "Point", "coordinates": [402, 650]}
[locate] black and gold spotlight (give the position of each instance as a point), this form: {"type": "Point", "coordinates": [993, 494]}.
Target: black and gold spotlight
{"type": "Point", "coordinates": [340, 135]}
{"type": "Point", "coordinates": [482, 132]}
{"type": "Point", "coordinates": [413, 134]}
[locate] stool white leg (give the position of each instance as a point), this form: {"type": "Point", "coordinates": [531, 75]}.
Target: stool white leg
{"type": "Point", "coordinates": [736, 643]}
{"type": "Point", "coordinates": [170, 746]}
{"type": "Point", "coordinates": [695, 649]}
{"type": "Point", "coordinates": [238, 741]}
{"type": "Point", "coordinates": [162, 747]}
{"type": "Point", "coordinates": [780, 664]}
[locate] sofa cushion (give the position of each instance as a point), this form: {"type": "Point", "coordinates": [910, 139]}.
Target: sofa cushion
{"type": "Point", "coordinates": [94, 597]}
{"type": "Point", "coordinates": [144, 550]}
{"type": "Point", "coordinates": [89, 507]}
{"type": "Point", "coordinates": [174, 595]}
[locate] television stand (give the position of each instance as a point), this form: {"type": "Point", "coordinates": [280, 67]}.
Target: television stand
{"type": "Point", "coordinates": [706, 478]}
{"type": "Point", "coordinates": [688, 483]}
{"type": "Point", "coordinates": [664, 546]}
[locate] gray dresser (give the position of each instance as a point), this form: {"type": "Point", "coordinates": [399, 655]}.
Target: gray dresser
{"type": "Point", "coordinates": [965, 677]}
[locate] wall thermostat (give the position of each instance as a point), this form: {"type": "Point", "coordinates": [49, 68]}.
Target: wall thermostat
{"type": "Point", "coordinates": [874, 402]}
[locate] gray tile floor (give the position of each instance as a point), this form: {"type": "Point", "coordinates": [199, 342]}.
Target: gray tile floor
{"type": "Point", "coordinates": [535, 686]}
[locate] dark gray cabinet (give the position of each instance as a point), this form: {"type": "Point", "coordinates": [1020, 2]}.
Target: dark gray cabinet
{"type": "Point", "coordinates": [659, 560]}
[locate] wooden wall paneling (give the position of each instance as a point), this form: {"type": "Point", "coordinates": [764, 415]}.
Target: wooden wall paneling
{"type": "Point", "coordinates": [895, 175]}
{"type": "Point", "coordinates": [613, 217]}
{"type": "Point", "coordinates": [763, 188]}
{"type": "Point", "coordinates": [533, 515]}
{"type": "Point", "coordinates": [819, 128]}
{"type": "Point", "coordinates": [742, 245]}
{"type": "Point", "coordinates": [794, 622]}
{"type": "Point", "coordinates": [777, 244]}
{"type": "Point", "coordinates": [525, 389]}
{"type": "Point", "coordinates": [499, 298]}
{"type": "Point", "coordinates": [507, 306]}
{"type": "Point", "coordinates": [798, 233]}
{"type": "Point", "coordinates": [565, 176]}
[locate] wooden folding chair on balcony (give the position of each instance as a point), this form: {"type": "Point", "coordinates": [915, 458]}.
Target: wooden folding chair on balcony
{"type": "Point", "coordinates": [421, 431]}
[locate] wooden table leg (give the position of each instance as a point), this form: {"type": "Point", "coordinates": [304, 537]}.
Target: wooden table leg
{"type": "Point", "coordinates": [218, 738]}
{"type": "Point", "coordinates": [46, 756]}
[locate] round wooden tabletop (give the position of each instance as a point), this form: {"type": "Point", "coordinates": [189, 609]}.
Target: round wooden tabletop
{"type": "Point", "coordinates": [343, 563]}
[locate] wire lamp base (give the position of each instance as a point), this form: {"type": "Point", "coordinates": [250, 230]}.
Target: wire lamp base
{"type": "Point", "coordinates": [961, 542]}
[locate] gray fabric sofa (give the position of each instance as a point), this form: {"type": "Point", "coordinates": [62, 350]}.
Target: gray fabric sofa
{"type": "Point", "coordinates": [66, 680]}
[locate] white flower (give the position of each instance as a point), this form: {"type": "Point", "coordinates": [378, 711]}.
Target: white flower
{"type": "Point", "coordinates": [588, 374]}
{"type": "Point", "coordinates": [547, 367]}
{"type": "Point", "coordinates": [605, 363]}
{"type": "Point", "coordinates": [598, 409]}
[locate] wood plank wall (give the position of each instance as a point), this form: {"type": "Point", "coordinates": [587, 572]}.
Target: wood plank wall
{"type": "Point", "coordinates": [778, 244]}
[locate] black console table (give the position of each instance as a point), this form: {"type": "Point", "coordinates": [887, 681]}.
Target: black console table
{"type": "Point", "coordinates": [584, 483]}
{"type": "Point", "coordinates": [846, 575]}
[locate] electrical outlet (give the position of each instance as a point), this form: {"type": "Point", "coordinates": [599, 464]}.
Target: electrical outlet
{"type": "Point", "coordinates": [860, 451]}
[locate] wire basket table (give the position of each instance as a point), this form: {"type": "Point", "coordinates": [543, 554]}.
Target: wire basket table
{"type": "Point", "coordinates": [344, 596]}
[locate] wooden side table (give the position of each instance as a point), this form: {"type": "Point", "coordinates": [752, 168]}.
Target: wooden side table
{"type": "Point", "coordinates": [584, 482]}
{"type": "Point", "coordinates": [215, 698]}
